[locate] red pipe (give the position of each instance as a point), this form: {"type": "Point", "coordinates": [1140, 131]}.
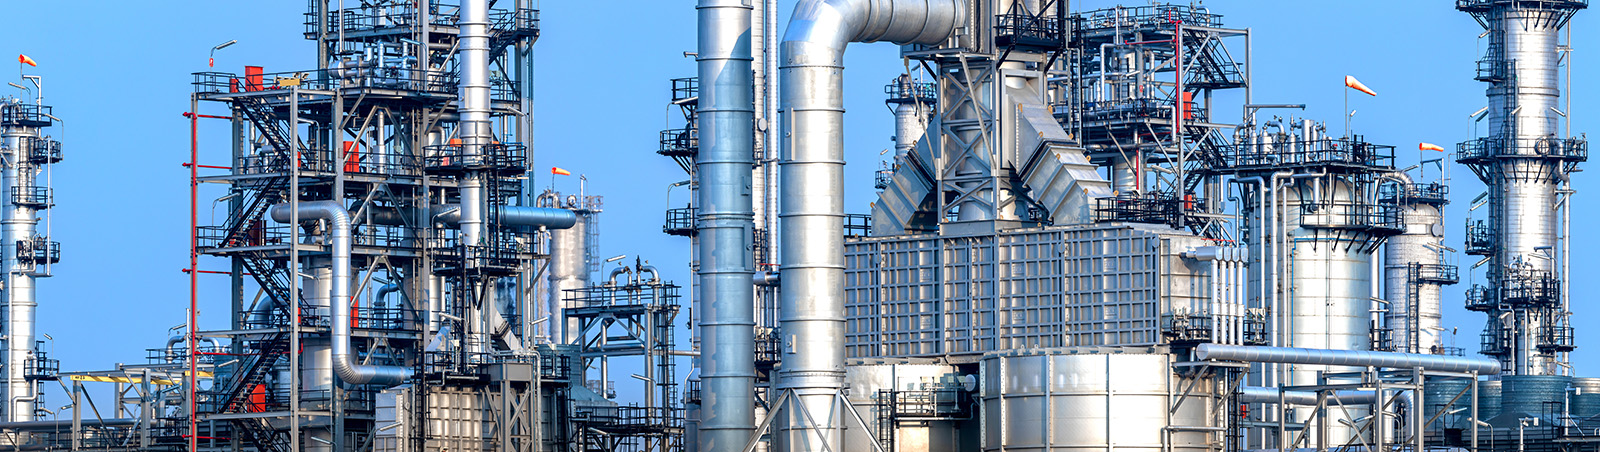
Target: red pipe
{"type": "Point", "coordinates": [194, 267]}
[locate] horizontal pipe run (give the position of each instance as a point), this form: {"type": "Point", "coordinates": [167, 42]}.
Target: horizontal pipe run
{"type": "Point", "coordinates": [1353, 358]}
{"type": "Point", "coordinates": [1259, 394]}
{"type": "Point", "coordinates": [450, 215]}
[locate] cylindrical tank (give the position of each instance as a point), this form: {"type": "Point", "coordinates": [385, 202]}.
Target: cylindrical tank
{"type": "Point", "coordinates": [1090, 399]}
{"type": "Point", "coordinates": [1533, 395]}
{"type": "Point", "coordinates": [1437, 392]}
{"type": "Point", "coordinates": [569, 270]}
{"type": "Point", "coordinates": [915, 383]}
{"type": "Point", "coordinates": [1330, 281]}
{"type": "Point", "coordinates": [1488, 399]}
{"type": "Point", "coordinates": [1585, 398]}
{"type": "Point", "coordinates": [1424, 227]}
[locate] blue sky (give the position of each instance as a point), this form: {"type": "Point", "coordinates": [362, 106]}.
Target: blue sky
{"type": "Point", "coordinates": [119, 74]}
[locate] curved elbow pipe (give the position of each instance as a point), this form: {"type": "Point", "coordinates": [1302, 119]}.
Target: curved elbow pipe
{"type": "Point", "coordinates": [811, 59]}
{"type": "Point", "coordinates": [615, 272]}
{"type": "Point", "coordinates": [1353, 358]}
{"type": "Point", "coordinates": [344, 360]}
{"type": "Point", "coordinates": [654, 276]}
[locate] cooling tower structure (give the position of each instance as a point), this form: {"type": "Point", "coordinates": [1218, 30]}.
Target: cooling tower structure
{"type": "Point", "coordinates": [1525, 159]}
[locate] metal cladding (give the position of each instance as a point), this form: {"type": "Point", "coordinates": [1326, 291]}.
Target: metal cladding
{"type": "Point", "coordinates": [726, 219]}
{"type": "Point", "coordinates": [1356, 358]}
{"type": "Point", "coordinates": [344, 359]}
{"type": "Point", "coordinates": [1525, 160]}
{"type": "Point", "coordinates": [1079, 400]}
{"type": "Point", "coordinates": [1437, 394]}
{"type": "Point", "coordinates": [1585, 398]}
{"type": "Point", "coordinates": [1534, 395]}
{"type": "Point", "coordinates": [812, 206]}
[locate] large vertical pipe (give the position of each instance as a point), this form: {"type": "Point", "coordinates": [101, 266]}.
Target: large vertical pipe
{"type": "Point", "coordinates": [812, 184]}
{"type": "Point", "coordinates": [474, 126]}
{"type": "Point", "coordinates": [19, 223]}
{"type": "Point", "coordinates": [345, 362]}
{"type": "Point", "coordinates": [316, 371]}
{"type": "Point", "coordinates": [726, 218]}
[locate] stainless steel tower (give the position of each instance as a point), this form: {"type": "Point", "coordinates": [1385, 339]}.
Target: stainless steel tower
{"type": "Point", "coordinates": [27, 255]}
{"type": "Point", "coordinates": [1525, 160]}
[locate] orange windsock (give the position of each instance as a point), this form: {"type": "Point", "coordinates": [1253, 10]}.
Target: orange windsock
{"type": "Point", "coordinates": [28, 61]}
{"type": "Point", "coordinates": [556, 170]}
{"type": "Point", "coordinates": [1353, 83]}
{"type": "Point", "coordinates": [1429, 147]}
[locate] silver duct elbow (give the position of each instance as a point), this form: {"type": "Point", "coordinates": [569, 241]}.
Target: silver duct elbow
{"type": "Point", "coordinates": [344, 360]}
{"type": "Point", "coordinates": [1352, 358]}
{"type": "Point", "coordinates": [812, 186]}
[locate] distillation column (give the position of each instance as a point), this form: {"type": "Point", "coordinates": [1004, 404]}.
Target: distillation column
{"type": "Point", "coordinates": [725, 223]}
{"type": "Point", "coordinates": [1414, 269]}
{"type": "Point", "coordinates": [1525, 162]}
{"type": "Point", "coordinates": [23, 192]}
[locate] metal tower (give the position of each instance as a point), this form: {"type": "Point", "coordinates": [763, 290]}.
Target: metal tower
{"type": "Point", "coordinates": [27, 255]}
{"type": "Point", "coordinates": [1525, 161]}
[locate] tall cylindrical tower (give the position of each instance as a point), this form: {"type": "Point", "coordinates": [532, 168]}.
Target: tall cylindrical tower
{"type": "Point", "coordinates": [1525, 161]}
{"type": "Point", "coordinates": [1414, 271]}
{"type": "Point", "coordinates": [24, 192]}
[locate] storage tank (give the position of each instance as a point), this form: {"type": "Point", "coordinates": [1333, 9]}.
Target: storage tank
{"type": "Point", "coordinates": [1488, 399]}
{"type": "Point", "coordinates": [1091, 399]}
{"type": "Point", "coordinates": [1533, 395]}
{"type": "Point", "coordinates": [1586, 399]}
{"type": "Point", "coordinates": [1437, 393]}
{"type": "Point", "coordinates": [928, 400]}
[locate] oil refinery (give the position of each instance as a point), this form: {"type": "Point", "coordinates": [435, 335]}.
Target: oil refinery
{"type": "Point", "coordinates": [1088, 232]}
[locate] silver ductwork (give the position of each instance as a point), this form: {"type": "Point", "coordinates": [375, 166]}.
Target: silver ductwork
{"type": "Point", "coordinates": [725, 224]}
{"type": "Point", "coordinates": [345, 362]}
{"type": "Point", "coordinates": [812, 243]}
{"type": "Point", "coordinates": [1351, 358]}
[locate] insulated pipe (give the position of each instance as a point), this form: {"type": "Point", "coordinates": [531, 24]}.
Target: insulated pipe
{"type": "Point", "coordinates": [344, 360]}
{"type": "Point", "coordinates": [1352, 358]}
{"type": "Point", "coordinates": [1259, 394]}
{"type": "Point", "coordinates": [450, 214]}
{"type": "Point", "coordinates": [725, 164]}
{"type": "Point", "coordinates": [474, 126]}
{"type": "Point", "coordinates": [812, 244]}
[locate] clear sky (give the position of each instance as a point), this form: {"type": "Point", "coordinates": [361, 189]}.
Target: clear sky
{"type": "Point", "coordinates": [119, 74]}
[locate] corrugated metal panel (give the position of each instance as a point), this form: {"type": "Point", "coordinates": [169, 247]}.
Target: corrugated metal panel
{"type": "Point", "coordinates": [911, 296]}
